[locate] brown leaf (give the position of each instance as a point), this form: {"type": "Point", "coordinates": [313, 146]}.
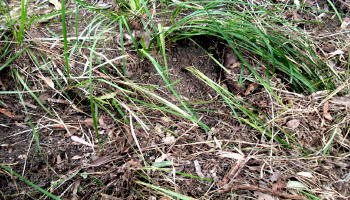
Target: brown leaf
{"type": "Point", "coordinates": [7, 113]}
{"type": "Point", "coordinates": [164, 198]}
{"type": "Point", "coordinates": [293, 124]}
{"type": "Point", "coordinates": [345, 24]}
{"type": "Point", "coordinates": [109, 197]}
{"type": "Point", "coordinates": [326, 115]}
{"type": "Point", "coordinates": [89, 122]}
{"type": "Point", "coordinates": [264, 196]}
{"type": "Point", "coordinates": [30, 105]}
{"type": "Point", "coordinates": [250, 88]}
{"type": "Point", "coordinates": [76, 157]}
{"type": "Point", "coordinates": [198, 169]}
{"type": "Point", "coordinates": [227, 154]}
{"type": "Point", "coordinates": [56, 3]}
{"type": "Point", "coordinates": [81, 141]}
{"type": "Point", "coordinates": [278, 186]}
{"type": "Point", "coordinates": [43, 97]}
{"type": "Point", "coordinates": [62, 127]}
{"type": "Point", "coordinates": [97, 161]}
{"type": "Point", "coordinates": [47, 80]}
{"type": "Point", "coordinates": [169, 139]}
{"type": "Point", "coordinates": [102, 123]}
{"type": "Point", "coordinates": [58, 159]}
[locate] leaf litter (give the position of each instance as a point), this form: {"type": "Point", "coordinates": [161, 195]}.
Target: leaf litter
{"type": "Point", "coordinates": [194, 159]}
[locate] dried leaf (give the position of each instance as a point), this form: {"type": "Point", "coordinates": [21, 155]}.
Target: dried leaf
{"type": "Point", "coordinates": [337, 52]}
{"type": "Point", "coordinates": [7, 113]}
{"type": "Point", "coordinates": [97, 161]}
{"type": "Point", "coordinates": [76, 157]}
{"type": "Point", "coordinates": [296, 185]}
{"type": "Point", "coordinates": [226, 154]}
{"type": "Point", "coordinates": [30, 105]}
{"type": "Point", "coordinates": [169, 140]}
{"type": "Point", "coordinates": [58, 126]}
{"type": "Point", "coordinates": [163, 157]}
{"type": "Point", "coordinates": [305, 174]}
{"type": "Point", "coordinates": [47, 80]}
{"type": "Point", "coordinates": [345, 24]}
{"type": "Point", "coordinates": [217, 143]}
{"type": "Point", "coordinates": [81, 141]}
{"type": "Point", "coordinates": [293, 124]}
{"type": "Point", "coordinates": [276, 175]}
{"type": "Point", "coordinates": [326, 115]}
{"type": "Point", "coordinates": [89, 122]}
{"type": "Point", "coordinates": [165, 198]}
{"type": "Point", "coordinates": [198, 169]}
{"type": "Point", "coordinates": [162, 164]}
{"type": "Point", "coordinates": [102, 123]}
{"type": "Point", "coordinates": [43, 97]}
{"type": "Point", "coordinates": [264, 196]}
{"type": "Point", "coordinates": [250, 88]}
{"type": "Point", "coordinates": [58, 159]}
{"type": "Point", "coordinates": [56, 3]}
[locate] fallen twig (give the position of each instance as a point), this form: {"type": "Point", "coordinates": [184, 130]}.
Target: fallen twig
{"type": "Point", "coordinates": [231, 174]}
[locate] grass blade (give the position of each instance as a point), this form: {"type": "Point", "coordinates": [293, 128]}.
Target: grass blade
{"type": "Point", "coordinates": [29, 182]}
{"type": "Point", "coordinates": [165, 191]}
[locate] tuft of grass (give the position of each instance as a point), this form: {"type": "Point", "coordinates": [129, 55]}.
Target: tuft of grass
{"type": "Point", "coordinates": [23, 20]}
{"type": "Point", "coordinates": [284, 48]}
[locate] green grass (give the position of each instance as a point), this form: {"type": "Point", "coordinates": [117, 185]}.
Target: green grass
{"type": "Point", "coordinates": [65, 41]}
{"type": "Point", "coordinates": [48, 194]}
{"type": "Point", "coordinates": [282, 48]}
